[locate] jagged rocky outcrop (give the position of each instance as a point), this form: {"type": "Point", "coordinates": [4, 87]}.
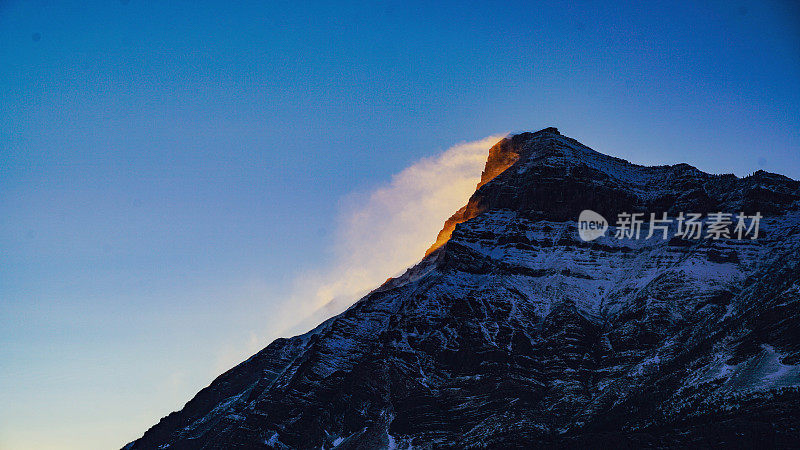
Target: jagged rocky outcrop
{"type": "Point", "coordinates": [516, 333]}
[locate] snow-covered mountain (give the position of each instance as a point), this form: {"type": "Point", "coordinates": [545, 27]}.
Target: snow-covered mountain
{"type": "Point", "coordinates": [513, 332]}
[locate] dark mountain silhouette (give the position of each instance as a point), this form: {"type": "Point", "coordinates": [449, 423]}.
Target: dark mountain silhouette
{"type": "Point", "coordinates": [513, 332]}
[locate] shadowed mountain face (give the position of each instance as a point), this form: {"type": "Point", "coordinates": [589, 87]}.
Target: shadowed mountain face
{"type": "Point", "coordinates": [516, 333]}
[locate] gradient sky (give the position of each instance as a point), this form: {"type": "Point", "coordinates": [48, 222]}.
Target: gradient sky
{"type": "Point", "coordinates": [171, 172]}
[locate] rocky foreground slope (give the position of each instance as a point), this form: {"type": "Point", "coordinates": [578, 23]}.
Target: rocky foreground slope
{"type": "Point", "coordinates": [514, 332]}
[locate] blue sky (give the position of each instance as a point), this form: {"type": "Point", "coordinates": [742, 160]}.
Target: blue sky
{"type": "Point", "coordinates": [172, 172]}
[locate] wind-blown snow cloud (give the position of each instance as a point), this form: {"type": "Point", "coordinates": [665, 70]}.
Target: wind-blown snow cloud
{"type": "Point", "coordinates": [383, 232]}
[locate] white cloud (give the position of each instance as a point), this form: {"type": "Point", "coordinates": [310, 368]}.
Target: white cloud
{"type": "Point", "coordinates": [383, 232]}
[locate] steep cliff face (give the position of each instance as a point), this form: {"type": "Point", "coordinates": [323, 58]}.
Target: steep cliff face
{"type": "Point", "coordinates": [515, 332]}
{"type": "Point", "coordinates": [501, 156]}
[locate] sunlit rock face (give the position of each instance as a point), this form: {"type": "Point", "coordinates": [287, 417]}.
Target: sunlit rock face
{"type": "Point", "coordinates": [517, 333]}
{"type": "Point", "coordinates": [501, 156]}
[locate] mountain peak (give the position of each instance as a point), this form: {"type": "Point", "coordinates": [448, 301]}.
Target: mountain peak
{"type": "Point", "coordinates": [548, 130]}
{"type": "Point", "coordinates": [546, 175]}
{"type": "Point", "coordinates": [516, 333]}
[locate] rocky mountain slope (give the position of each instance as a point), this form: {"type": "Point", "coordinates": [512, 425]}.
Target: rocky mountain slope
{"type": "Point", "coordinates": [514, 332]}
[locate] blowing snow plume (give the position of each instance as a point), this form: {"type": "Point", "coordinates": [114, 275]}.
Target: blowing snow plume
{"type": "Point", "coordinates": [383, 232]}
